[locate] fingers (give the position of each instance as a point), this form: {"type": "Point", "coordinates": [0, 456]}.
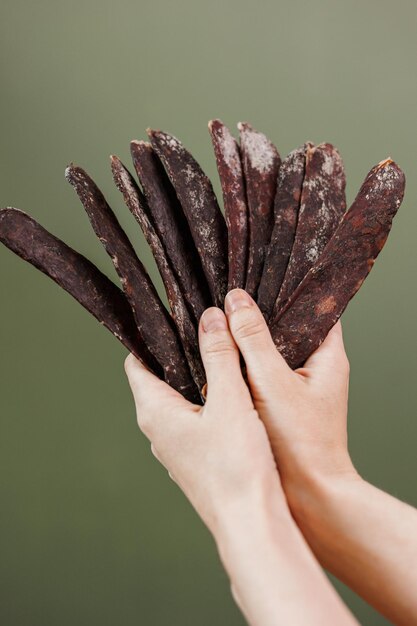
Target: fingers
{"type": "Point", "coordinates": [220, 356]}
{"type": "Point", "coordinates": [253, 338]}
{"type": "Point", "coordinates": [155, 400]}
{"type": "Point", "coordinates": [139, 376]}
{"type": "Point", "coordinates": [330, 356]}
{"type": "Point", "coordinates": [145, 386]}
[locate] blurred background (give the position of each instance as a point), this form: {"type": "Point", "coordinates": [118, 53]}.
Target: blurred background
{"type": "Point", "coordinates": [92, 531]}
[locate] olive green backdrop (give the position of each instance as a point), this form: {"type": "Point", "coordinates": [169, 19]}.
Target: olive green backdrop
{"type": "Point", "coordinates": [92, 531]}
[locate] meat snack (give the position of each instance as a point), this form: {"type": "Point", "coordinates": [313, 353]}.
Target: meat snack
{"type": "Point", "coordinates": [286, 208]}
{"type": "Point", "coordinates": [195, 192]}
{"type": "Point", "coordinates": [136, 203]}
{"type": "Point", "coordinates": [229, 167]}
{"type": "Point", "coordinates": [323, 203]}
{"type": "Point", "coordinates": [325, 291]}
{"type": "Point", "coordinates": [78, 276]}
{"type": "Point", "coordinates": [152, 318]}
{"type": "Point", "coordinates": [261, 163]}
{"type": "Point", "coordinates": [287, 239]}
{"type": "Point", "coordinates": [169, 222]}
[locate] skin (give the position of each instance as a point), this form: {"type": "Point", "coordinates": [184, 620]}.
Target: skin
{"type": "Point", "coordinates": [221, 458]}
{"type": "Point", "coordinates": [289, 461]}
{"type": "Point", "coordinates": [365, 537]}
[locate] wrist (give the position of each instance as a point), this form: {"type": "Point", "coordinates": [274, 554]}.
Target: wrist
{"type": "Point", "coordinates": [261, 510]}
{"type": "Point", "coordinates": [270, 566]}
{"type": "Point", "coordinates": [251, 537]}
{"type": "Point", "coordinates": [311, 495]}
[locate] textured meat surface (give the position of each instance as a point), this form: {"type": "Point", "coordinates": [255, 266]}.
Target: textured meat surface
{"type": "Point", "coordinates": [323, 204]}
{"type": "Point", "coordinates": [348, 258]}
{"type": "Point", "coordinates": [261, 163]}
{"type": "Point", "coordinates": [152, 318]}
{"type": "Point", "coordinates": [200, 206]}
{"type": "Point", "coordinates": [171, 226]}
{"type": "Point", "coordinates": [136, 202]}
{"type": "Point", "coordinates": [232, 182]}
{"type": "Point", "coordinates": [286, 238]}
{"type": "Point", "coordinates": [286, 208]}
{"type": "Point", "coordinates": [77, 275]}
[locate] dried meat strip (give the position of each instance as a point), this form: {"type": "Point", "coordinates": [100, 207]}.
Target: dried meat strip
{"type": "Point", "coordinates": [324, 293]}
{"type": "Point", "coordinates": [261, 163]}
{"type": "Point", "coordinates": [197, 198]}
{"type": "Point", "coordinates": [229, 167]}
{"type": "Point", "coordinates": [78, 276]}
{"type": "Point", "coordinates": [152, 318]}
{"type": "Point", "coordinates": [171, 226]}
{"type": "Point", "coordinates": [136, 202]}
{"type": "Point", "coordinates": [323, 204]}
{"type": "Point", "coordinates": [286, 207]}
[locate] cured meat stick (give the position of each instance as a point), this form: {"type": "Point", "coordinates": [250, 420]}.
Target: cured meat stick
{"type": "Point", "coordinates": [323, 204]}
{"type": "Point", "coordinates": [136, 203]}
{"type": "Point", "coordinates": [229, 167]}
{"type": "Point", "coordinates": [78, 276]}
{"type": "Point", "coordinates": [261, 163]}
{"type": "Point", "coordinates": [195, 192]}
{"type": "Point", "coordinates": [171, 226]}
{"type": "Point", "coordinates": [152, 318]}
{"type": "Point", "coordinates": [286, 207]}
{"type": "Point", "coordinates": [324, 293]}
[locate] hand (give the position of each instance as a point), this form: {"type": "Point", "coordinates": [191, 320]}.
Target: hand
{"type": "Point", "coordinates": [362, 535]}
{"type": "Point", "coordinates": [304, 411]}
{"type": "Point", "coordinates": [219, 454]}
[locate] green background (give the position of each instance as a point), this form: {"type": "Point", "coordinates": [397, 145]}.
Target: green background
{"type": "Point", "coordinates": [92, 531]}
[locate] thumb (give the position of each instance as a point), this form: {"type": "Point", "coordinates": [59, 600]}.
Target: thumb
{"type": "Point", "coordinates": [330, 357]}
{"type": "Point", "coordinates": [264, 363]}
{"type": "Point", "coordinates": [155, 400]}
{"type": "Point", "coordinates": [220, 357]}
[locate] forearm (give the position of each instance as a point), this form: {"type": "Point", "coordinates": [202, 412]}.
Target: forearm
{"type": "Point", "coordinates": [365, 537]}
{"type": "Point", "coordinates": [274, 576]}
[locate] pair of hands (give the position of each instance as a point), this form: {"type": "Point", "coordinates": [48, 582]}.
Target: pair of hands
{"type": "Point", "coordinates": [228, 451]}
{"type": "Point", "coordinates": [265, 463]}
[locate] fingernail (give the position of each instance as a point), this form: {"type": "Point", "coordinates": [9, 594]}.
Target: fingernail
{"type": "Point", "coordinates": [237, 299]}
{"type": "Point", "coordinates": [213, 319]}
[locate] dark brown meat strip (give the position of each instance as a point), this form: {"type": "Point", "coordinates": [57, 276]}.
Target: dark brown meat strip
{"type": "Point", "coordinates": [348, 258]}
{"type": "Point", "coordinates": [152, 318]}
{"type": "Point", "coordinates": [323, 203]}
{"type": "Point", "coordinates": [286, 207]}
{"type": "Point", "coordinates": [171, 226]}
{"type": "Point", "coordinates": [136, 202]}
{"type": "Point", "coordinates": [78, 276]}
{"type": "Point", "coordinates": [229, 167]}
{"type": "Point", "coordinates": [195, 192]}
{"type": "Point", "coordinates": [261, 163]}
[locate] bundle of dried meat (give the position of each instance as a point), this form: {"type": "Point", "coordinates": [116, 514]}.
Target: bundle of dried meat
{"type": "Point", "coordinates": [286, 238]}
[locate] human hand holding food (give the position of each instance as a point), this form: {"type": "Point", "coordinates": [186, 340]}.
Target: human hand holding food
{"type": "Point", "coordinates": [362, 535]}
{"type": "Point", "coordinates": [220, 456]}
